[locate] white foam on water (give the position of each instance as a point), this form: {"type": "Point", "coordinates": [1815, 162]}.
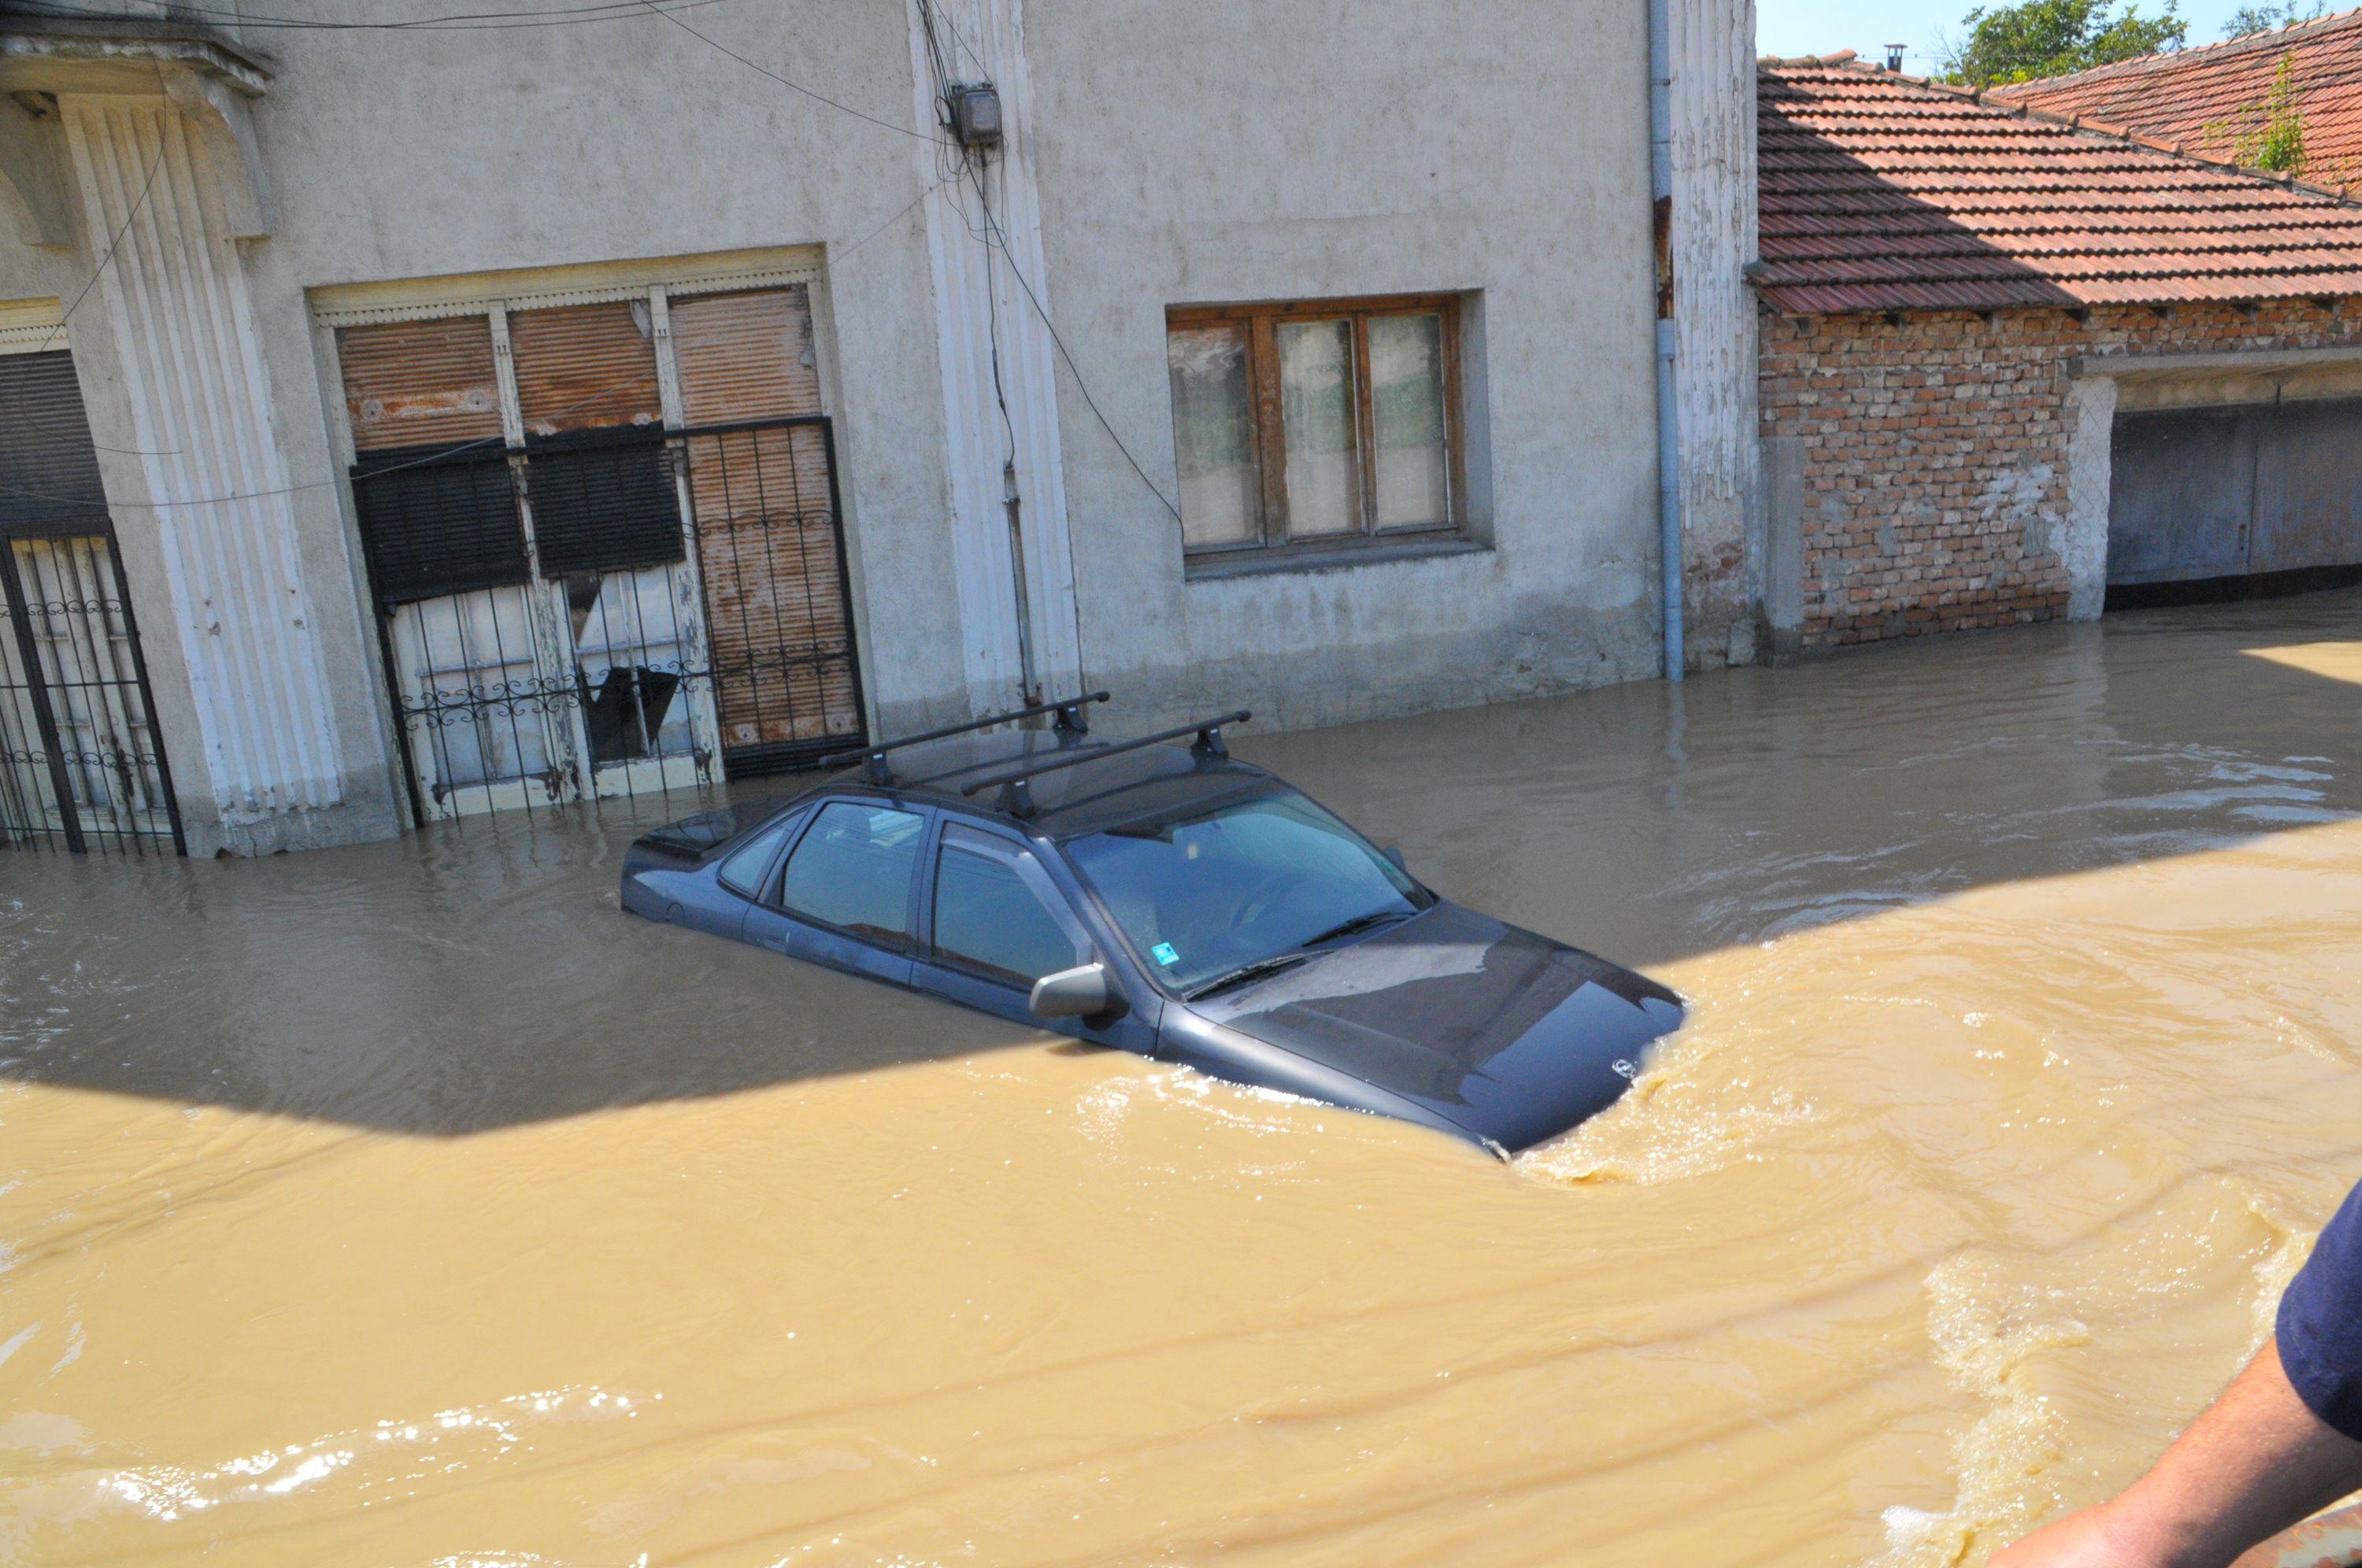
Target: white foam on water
{"type": "Point", "coordinates": [390, 1454]}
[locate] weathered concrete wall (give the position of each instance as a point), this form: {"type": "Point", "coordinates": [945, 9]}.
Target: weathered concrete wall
{"type": "Point", "coordinates": [1226, 150]}
{"type": "Point", "coordinates": [250, 645]}
{"type": "Point", "coordinates": [1233, 151]}
{"type": "Point", "coordinates": [424, 154]}
{"type": "Point", "coordinates": [1954, 475]}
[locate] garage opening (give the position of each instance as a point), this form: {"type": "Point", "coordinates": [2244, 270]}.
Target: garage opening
{"type": "Point", "coordinates": [2230, 503]}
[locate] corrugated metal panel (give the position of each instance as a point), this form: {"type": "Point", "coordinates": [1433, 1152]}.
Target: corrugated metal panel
{"type": "Point", "coordinates": [420, 384]}
{"type": "Point", "coordinates": [746, 356]}
{"type": "Point", "coordinates": [585, 367]}
{"type": "Point", "coordinates": [49, 470]}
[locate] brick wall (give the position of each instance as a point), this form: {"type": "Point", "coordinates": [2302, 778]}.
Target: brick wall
{"type": "Point", "coordinates": [1936, 449]}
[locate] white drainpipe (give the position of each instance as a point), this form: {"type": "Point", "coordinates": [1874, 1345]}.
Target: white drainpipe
{"type": "Point", "coordinates": [1660, 191]}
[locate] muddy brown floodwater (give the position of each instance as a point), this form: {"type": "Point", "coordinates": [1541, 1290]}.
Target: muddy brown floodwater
{"type": "Point", "coordinates": [410, 1205]}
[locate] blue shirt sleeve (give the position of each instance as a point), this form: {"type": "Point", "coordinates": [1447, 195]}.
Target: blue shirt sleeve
{"type": "Point", "coordinates": [2321, 1323]}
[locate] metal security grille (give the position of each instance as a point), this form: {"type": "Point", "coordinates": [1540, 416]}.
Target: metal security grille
{"type": "Point", "coordinates": [770, 537]}
{"type": "Point", "coordinates": [602, 659]}
{"type": "Point", "coordinates": [82, 766]}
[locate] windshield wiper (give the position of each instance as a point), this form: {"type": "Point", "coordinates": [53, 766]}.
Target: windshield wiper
{"type": "Point", "coordinates": [1245, 972]}
{"type": "Point", "coordinates": [1357, 925]}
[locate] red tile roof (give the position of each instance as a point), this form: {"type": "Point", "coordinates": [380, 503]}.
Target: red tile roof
{"type": "Point", "coordinates": [1887, 193]}
{"type": "Point", "coordinates": [2204, 97]}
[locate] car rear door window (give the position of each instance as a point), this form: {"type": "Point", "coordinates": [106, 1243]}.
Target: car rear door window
{"type": "Point", "coordinates": [997, 912]}
{"type": "Point", "coordinates": [742, 872]}
{"type": "Point", "coordinates": [852, 870]}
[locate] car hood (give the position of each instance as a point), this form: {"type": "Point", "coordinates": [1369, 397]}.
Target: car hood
{"type": "Point", "coordinates": [1506, 1033]}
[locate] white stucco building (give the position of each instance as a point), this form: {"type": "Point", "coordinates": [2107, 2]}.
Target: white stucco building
{"type": "Point", "coordinates": [404, 421]}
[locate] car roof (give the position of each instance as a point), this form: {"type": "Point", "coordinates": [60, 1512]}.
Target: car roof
{"type": "Point", "coordinates": [1090, 797]}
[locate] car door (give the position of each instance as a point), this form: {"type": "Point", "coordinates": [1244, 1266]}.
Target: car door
{"type": "Point", "coordinates": [744, 872]}
{"type": "Point", "coordinates": [847, 895]}
{"type": "Point", "coordinates": [997, 922]}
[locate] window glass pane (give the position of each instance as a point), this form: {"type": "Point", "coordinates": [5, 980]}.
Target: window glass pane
{"type": "Point", "coordinates": [1316, 398]}
{"type": "Point", "coordinates": [1406, 406]}
{"type": "Point", "coordinates": [1202, 895]}
{"type": "Point", "coordinates": [987, 918]}
{"type": "Point", "coordinates": [1213, 435]}
{"type": "Point", "coordinates": [852, 870]}
{"type": "Point", "coordinates": [744, 870]}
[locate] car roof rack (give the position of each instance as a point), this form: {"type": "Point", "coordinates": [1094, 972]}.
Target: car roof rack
{"type": "Point", "coordinates": [1017, 799]}
{"type": "Point", "coordinates": [874, 769]}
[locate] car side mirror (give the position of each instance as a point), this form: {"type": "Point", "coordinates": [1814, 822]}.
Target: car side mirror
{"type": "Point", "coordinates": [1082, 992]}
{"type": "Point", "coordinates": [1391, 853]}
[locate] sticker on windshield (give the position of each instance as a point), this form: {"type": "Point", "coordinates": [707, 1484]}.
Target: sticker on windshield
{"type": "Point", "coordinates": [1164, 954]}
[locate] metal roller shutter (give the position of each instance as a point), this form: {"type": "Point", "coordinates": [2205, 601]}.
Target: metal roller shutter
{"type": "Point", "coordinates": [433, 523]}
{"type": "Point", "coordinates": [585, 367]}
{"type": "Point", "coordinates": [745, 357]}
{"type": "Point", "coordinates": [49, 470]}
{"type": "Point", "coordinates": [768, 535]}
{"type": "Point", "coordinates": [769, 540]}
{"type": "Point", "coordinates": [603, 505]}
{"type": "Point", "coordinates": [411, 384]}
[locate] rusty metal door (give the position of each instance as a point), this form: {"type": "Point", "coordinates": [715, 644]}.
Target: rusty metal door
{"type": "Point", "coordinates": [2182, 503]}
{"type": "Point", "coordinates": [2308, 486]}
{"type": "Point", "coordinates": [2212, 492]}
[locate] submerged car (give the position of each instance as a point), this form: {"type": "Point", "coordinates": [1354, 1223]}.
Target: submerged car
{"type": "Point", "coordinates": [1172, 900]}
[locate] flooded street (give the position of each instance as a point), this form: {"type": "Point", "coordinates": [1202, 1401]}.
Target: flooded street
{"type": "Point", "coordinates": [410, 1205]}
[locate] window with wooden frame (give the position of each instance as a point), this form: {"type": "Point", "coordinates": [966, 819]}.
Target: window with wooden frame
{"type": "Point", "coordinates": [1310, 426]}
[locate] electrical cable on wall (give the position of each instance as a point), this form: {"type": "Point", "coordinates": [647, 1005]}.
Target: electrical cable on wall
{"type": "Point", "coordinates": [652, 8]}
{"type": "Point", "coordinates": [463, 21]}
{"type": "Point", "coordinates": [835, 265]}
{"type": "Point", "coordinates": [996, 239]}
{"type": "Point", "coordinates": [24, 414]}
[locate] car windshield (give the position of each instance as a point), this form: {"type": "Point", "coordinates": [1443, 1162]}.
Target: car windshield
{"type": "Point", "coordinates": [1217, 897]}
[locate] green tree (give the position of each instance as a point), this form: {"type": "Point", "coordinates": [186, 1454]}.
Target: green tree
{"type": "Point", "coordinates": [2052, 37]}
{"type": "Point", "coordinates": [2270, 16]}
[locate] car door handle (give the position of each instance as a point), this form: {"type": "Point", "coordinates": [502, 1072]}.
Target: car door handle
{"type": "Point", "coordinates": [776, 943]}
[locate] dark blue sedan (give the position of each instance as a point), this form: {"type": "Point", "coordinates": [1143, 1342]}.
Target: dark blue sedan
{"type": "Point", "coordinates": [1169, 900]}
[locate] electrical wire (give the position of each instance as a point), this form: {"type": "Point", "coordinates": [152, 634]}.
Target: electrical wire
{"type": "Point", "coordinates": [1081, 384]}
{"type": "Point", "coordinates": [996, 239]}
{"type": "Point", "coordinates": [834, 265]}
{"type": "Point", "coordinates": [651, 6]}
{"type": "Point", "coordinates": [104, 261]}
{"type": "Point", "coordinates": [462, 21]}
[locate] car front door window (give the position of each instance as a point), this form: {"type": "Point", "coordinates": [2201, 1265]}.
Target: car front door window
{"type": "Point", "coordinates": [998, 915]}
{"type": "Point", "coordinates": [852, 870]}
{"type": "Point", "coordinates": [742, 871]}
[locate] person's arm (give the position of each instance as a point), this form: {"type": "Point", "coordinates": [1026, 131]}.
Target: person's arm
{"type": "Point", "coordinates": [2283, 1441]}
{"type": "Point", "coordinates": [2256, 1463]}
